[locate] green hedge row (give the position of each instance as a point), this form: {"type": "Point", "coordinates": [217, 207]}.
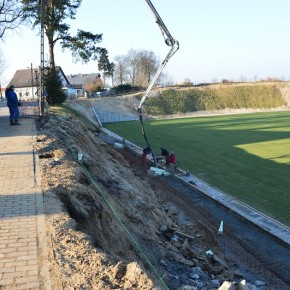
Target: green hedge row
{"type": "Point", "coordinates": [183, 101]}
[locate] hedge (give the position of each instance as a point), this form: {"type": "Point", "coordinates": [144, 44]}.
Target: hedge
{"type": "Point", "coordinates": [171, 101]}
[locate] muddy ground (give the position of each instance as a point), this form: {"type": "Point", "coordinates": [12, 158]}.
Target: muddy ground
{"type": "Point", "coordinates": [111, 224]}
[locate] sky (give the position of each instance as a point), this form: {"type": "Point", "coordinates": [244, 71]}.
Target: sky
{"type": "Point", "coordinates": [227, 39]}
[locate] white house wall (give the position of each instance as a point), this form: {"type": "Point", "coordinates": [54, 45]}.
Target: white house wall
{"type": "Point", "coordinates": [27, 93]}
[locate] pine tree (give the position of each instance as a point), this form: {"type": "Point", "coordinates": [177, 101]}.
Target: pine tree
{"type": "Point", "coordinates": [83, 46]}
{"type": "Point", "coordinates": [105, 65]}
{"type": "Point", "coordinates": [53, 85]}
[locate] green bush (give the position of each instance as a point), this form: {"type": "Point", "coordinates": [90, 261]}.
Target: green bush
{"type": "Point", "coordinates": [123, 88]}
{"type": "Point", "coordinates": [234, 97]}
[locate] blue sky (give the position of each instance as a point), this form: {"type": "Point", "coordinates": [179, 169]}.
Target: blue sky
{"type": "Point", "coordinates": [230, 39]}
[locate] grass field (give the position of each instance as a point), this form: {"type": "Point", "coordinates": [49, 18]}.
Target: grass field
{"type": "Point", "coordinates": [246, 156]}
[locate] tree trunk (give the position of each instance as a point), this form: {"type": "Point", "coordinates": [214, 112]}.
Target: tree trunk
{"type": "Point", "coordinates": [51, 54]}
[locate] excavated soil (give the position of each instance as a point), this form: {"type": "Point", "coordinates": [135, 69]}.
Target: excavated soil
{"type": "Point", "coordinates": [110, 228]}
{"type": "Point", "coordinates": [113, 225]}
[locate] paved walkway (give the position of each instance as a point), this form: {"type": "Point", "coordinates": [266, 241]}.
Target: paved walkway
{"type": "Point", "coordinates": [22, 225]}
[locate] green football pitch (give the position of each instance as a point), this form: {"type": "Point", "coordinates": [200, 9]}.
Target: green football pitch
{"type": "Point", "coordinates": [246, 156]}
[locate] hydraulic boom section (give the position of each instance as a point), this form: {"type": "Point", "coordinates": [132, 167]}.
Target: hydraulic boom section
{"type": "Point", "coordinates": [169, 40]}
{"type": "Point", "coordinates": [173, 43]}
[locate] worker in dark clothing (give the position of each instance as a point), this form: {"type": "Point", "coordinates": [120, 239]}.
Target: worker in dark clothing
{"type": "Point", "coordinates": [165, 153]}
{"type": "Point", "coordinates": [146, 151]}
{"type": "Point", "coordinates": [12, 104]}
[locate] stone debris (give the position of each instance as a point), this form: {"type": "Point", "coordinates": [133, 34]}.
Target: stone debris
{"type": "Point", "coordinates": [243, 285]}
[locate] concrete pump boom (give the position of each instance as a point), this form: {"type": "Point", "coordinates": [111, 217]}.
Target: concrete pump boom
{"type": "Point", "coordinates": [169, 40]}
{"type": "Point", "coordinates": [173, 43]}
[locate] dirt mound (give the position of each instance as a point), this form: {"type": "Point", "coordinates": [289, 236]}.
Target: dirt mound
{"type": "Point", "coordinates": [127, 104]}
{"type": "Point", "coordinates": [110, 225]}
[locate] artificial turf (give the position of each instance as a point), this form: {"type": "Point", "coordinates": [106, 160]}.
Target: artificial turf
{"type": "Point", "coordinates": [246, 156]}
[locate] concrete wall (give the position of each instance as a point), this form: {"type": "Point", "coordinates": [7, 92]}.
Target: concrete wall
{"type": "Point", "coordinates": [108, 117]}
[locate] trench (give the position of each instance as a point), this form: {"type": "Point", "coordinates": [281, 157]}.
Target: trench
{"type": "Point", "coordinates": [255, 252]}
{"type": "Point", "coordinates": [242, 244]}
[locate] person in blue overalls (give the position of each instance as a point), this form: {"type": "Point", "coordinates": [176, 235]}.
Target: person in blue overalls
{"type": "Point", "coordinates": [12, 104]}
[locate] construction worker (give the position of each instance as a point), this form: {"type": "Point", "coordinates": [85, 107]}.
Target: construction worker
{"type": "Point", "coordinates": [172, 158]}
{"type": "Point", "coordinates": [146, 151]}
{"type": "Point", "coordinates": [165, 153]}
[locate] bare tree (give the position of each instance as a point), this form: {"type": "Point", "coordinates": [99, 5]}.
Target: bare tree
{"type": "Point", "coordinates": [137, 68]}
{"type": "Point", "coordinates": [2, 63]}
{"type": "Point", "coordinates": [11, 13]}
{"type": "Point", "coordinates": [187, 82]}
{"type": "Point", "coordinates": [133, 65]}
{"type": "Point", "coordinates": [121, 71]}
{"type": "Point", "coordinates": [148, 64]}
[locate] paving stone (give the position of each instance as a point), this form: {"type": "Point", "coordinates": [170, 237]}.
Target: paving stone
{"type": "Point", "coordinates": [21, 208]}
